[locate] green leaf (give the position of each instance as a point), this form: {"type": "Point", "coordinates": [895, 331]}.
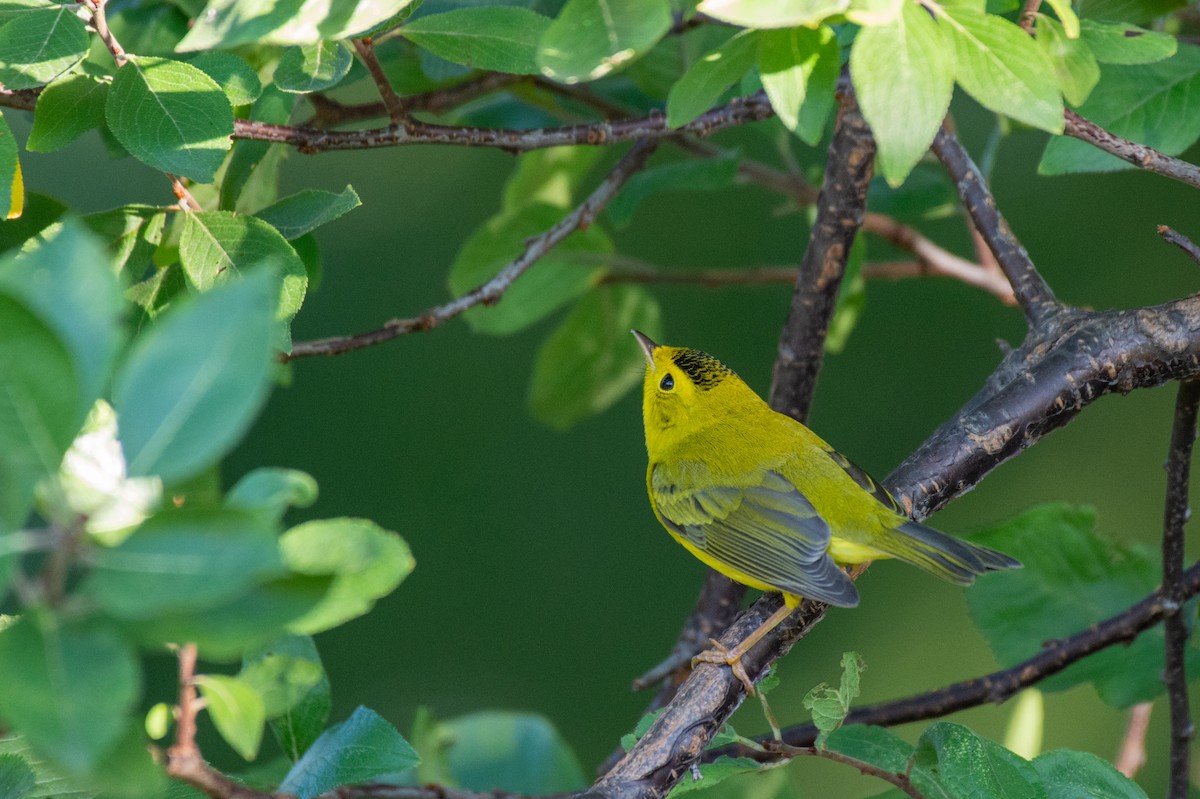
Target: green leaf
{"type": "Point", "coordinates": [359, 749]}
{"type": "Point", "coordinates": [270, 492]}
{"type": "Point", "coordinates": [254, 163]}
{"type": "Point", "coordinates": [12, 183]}
{"type": "Point", "coordinates": [875, 745]}
{"type": "Point", "coordinates": [591, 38]}
{"type": "Point", "coordinates": [148, 29]}
{"type": "Point", "coordinates": [171, 116]}
{"type": "Point", "coordinates": [17, 779]}
{"type": "Point", "coordinates": [219, 246]}
{"type": "Point", "coordinates": [313, 67]}
{"type": "Point", "coordinates": [307, 210]}
{"type": "Point", "coordinates": [50, 782]}
{"type": "Point", "coordinates": [228, 23]}
{"type": "Point", "coordinates": [236, 78]}
{"type": "Point", "coordinates": [132, 233]}
{"type": "Point", "coordinates": [40, 212]}
{"type": "Point", "coordinates": [39, 401]}
{"type": "Point", "coordinates": [1154, 104]}
{"type": "Point", "coordinates": [191, 385]}
{"type": "Point", "coordinates": [185, 559]}
{"type": "Point", "coordinates": [904, 76]}
{"type": "Point", "coordinates": [702, 85]}
{"type": "Point", "coordinates": [62, 281]}
{"type": "Point", "coordinates": [773, 13]}
{"type": "Point", "coordinates": [693, 174]}
{"type": "Point", "coordinates": [1083, 579]}
{"type": "Point", "coordinates": [497, 38]}
{"type": "Point", "coordinates": [229, 630]}
{"type": "Point", "coordinates": [236, 710]}
{"type": "Point", "coordinates": [366, 561]}
{"type": "Point", "coordinates": [552, 282]}
{"type": "Point", "coordinates": [1139, 11]}
{"type": "Point", "coordinates": [1073, 61]}
{"type": "Point", "coordinates": [1117, 43]}
{"type": "Point", "coordinates": [829, 706]}
{"type": "Point", "coordinates": [553, 176]}
{"type": "Point", "coordinates": [714, 773]}
{"type": "Point", "coordinates": [1001, 67]}
{"type": "Point", "coordinates": [590, 361]}
{"type": "Point", "coordinates": [67, 688]}
{"type": "Point", "coordinates": [520, 753]}
{"type": "Point", "coordinates": [1067, 18]}
{"type": "Point", "coordinates": [281, 681]}
{"type": "Point", "coordinates": [950, 760]}
{"type": "Point", "coordinates": [39, 45]}
{"type": "Point", "coordinates": [66, 109]}
{"type": "Point", "coordinates": [1066, 775]}
{"type": "Point", "coordinates": [306, 704]}
{"type": "Point", "coordinates": [799, 68]}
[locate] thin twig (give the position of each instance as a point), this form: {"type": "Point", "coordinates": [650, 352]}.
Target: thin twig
{"type": "Point", "coordinates": [186, 201]}
{"type": "Point", "coordinates": [493, 290]}
{"type": "Point", "coordinates": [391, 100]}
{"type": "Point", "coordinates": [901, 781]}
{"type": "Point", "coordinates": [100, 23]}
{"type": "Point", "coordinates": [1031, 291]}
{"type": "Point", "coordinates": [1139, 155]}
{"type": "Point", "coordinates": [1175, 514]}
{"type": "Point", "coordinates": [329, 113]}
{"type": "Point", "coordinates": [309, 140]}
{"type": "Point", "coordinates": [1029, 15]}
{"type": "Point", "coordinates": [1181, 241]}
{"type": "Point", "coordinates": [1132, 754]}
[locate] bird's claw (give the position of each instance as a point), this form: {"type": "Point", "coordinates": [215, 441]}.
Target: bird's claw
{"type": "Point", "coordinates": [724, 656]}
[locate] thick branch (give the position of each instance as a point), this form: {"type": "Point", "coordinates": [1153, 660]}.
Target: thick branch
{"type": "Point", "coordinates": [1175, 515]}
{"type": "Point", "coordinates": [491, 291]}
{"type": "Point", "coordinates": [1078, 357]}
{"type": "Point", "coordinates": [840, 210]}
{"type": "Point", "coordinates": [1032, 293]}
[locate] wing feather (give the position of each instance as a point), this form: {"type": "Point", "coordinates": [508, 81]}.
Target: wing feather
{"type": "Point", "coordinates": [766, 530]}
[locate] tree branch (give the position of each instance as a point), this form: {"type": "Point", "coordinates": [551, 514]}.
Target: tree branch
{"type": "Point", "coordinates": [391, 101]}
{"type": "Point", "coordinates": [1032, 293]}
{"type": "Point", "coordinates": [493, 290]}
{"type": "Point", "coordinates": [901, 781]}
{"type": "Point", "coordinates": [840, 210]}
{"type": "Point", "coordinates": [1139, 155]}
{"type": "Point", "coordinates": [328, 112]}
{"type": "Point", "coordinates": [1175, 515]}
{"type": "Point", "coordinates": [310, 140]}
{"type": "Point", "coordinates": [1132, 754]}
{"type": "Point", "coordinates": [1181, 241]}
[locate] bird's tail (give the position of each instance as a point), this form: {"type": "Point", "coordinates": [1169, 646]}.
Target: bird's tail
{"type": "Point", "coordinates": [939, 554]}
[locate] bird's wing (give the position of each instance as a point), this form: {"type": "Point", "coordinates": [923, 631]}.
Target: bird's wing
{"type": "Point", "coordinates": [768, 531]}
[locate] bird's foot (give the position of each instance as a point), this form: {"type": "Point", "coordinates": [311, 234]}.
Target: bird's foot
{"type": "Point", "coordinates": [724, 656]}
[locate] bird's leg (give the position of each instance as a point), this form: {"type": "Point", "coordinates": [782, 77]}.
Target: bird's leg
{"type": "Point", "coordinates": [723, 655]}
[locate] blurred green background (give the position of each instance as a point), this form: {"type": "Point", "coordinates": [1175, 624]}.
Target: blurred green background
{"type": "Point", "coordinates": [543, 582]}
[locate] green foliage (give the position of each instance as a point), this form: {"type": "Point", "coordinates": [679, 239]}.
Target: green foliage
{"type": "Point", "coordinates": [17, 779]}
{"type": "Point", "coordinates": [307, 210]}
{"type": "Point", "coordinates": [227, 23]}
{"type": "Point", "coordinates": [709, 77]}
{"type": "Point", "coordinates": [313, 67]}
{"type": "Point", "coordinates": [237, 78]}
{"type": "Point", "coordinates": [908, 58]}
{"type": "Point", "coordinates": [1134, 101]}
{"type": "Point", "coordinates": [830, 705]}
{"type": "Point", "coordinates": [1064, 589]}
{"type": "Point", "coordinates": [66, 109]}
{"type": "Point", "coordinates": [502, 39]}
{"type": "Point", "coordinates": [237, 711]}
{"type": "Point", "coordinates": [360, 749]}
{"type": "Point", "coordinates": [799, 70]}
{"type": "Point", "coordinates": [39, 45]}
{"type": "Point", "coordinates": [517, 752]}
{"type": "Point", "coordinates": [170, 115]}
{"type": "Point", "coordinates": [709, 174]}
{"type": "Point", "coordinates": [591, 38]}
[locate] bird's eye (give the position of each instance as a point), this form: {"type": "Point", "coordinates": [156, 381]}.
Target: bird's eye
{"type": "Point", "coordinates": [667, 383]}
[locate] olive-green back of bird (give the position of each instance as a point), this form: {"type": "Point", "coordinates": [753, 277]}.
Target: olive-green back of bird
{"type": "Point", "coordinates": [761, 498]}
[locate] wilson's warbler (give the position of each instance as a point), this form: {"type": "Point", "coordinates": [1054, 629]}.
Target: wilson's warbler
{"type": "Point", "coordinates": [762, 499]}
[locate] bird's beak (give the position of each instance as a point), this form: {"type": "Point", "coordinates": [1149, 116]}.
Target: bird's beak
{"type": "Point", "coordinates": [647, 345]}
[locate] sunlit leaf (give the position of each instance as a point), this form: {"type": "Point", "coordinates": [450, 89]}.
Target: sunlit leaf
{"type": "Point", "coordinates": [39, 45]}
{"type": "Point", "coordinates": [313, 67]}
{"type": "Point", "coordinates": [591, 38]}
{"type": "Point", "coordinates": [702, 85]}
{"type": "Point", "coordinates": [497, 38]}
{"type": "Point", "coordinates": [236, 710]}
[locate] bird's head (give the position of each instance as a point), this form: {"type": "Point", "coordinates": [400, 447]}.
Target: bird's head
{"type": "Point", "coordinates": [686, 390]}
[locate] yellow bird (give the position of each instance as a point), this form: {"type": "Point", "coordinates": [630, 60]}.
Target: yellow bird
{"type": "Point", "coordinates": [762, 499]}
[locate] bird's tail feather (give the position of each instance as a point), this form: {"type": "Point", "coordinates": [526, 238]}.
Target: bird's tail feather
{"type": "Point", "coordinates": [942, 555]}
